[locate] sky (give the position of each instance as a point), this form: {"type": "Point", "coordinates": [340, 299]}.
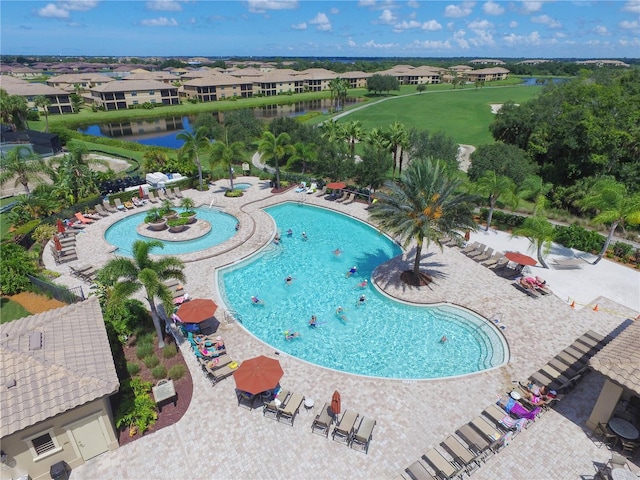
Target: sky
{"type": "Point", "coordinates": [348, 28]}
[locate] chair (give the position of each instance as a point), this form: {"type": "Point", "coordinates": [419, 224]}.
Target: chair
{"type": "Point", "coordinates": [246, 399]}
{"type": "Point", "coordinates": [271, 409]}
{"type": "Point", "coordinates": [417, 472]}
{"type": "Point", "coordinates": [503, 421]}
{"type": "Point", "coordinates": [291, 408]}
{"type": "Point", "coordinates": [532, 292]}
{"type": "Point", "coordinates": [345, 194]}
{"type": "Point", "coordinates": [461, 454]}
{"type": "Point", "coordinates": [302, 188]}
{"type": "Point", "coordinates": [152, 197]}
{"type": "Point", "coordinates": [478, 250]}
{"type": "Point", "coordinates": [344, 429]}
{"type": "Point", "coordinates": [168, 192]}
{"type": "Point", "coordinates": [486, 429]}
{"type": "Point", "coordinates": [161, 196]}
{"type": "Point", "coordinates": [567, 263]}
{"type": "Point", "coordinates": [477, 443]}
{"type": "Point", "coordinates": [470, 248]}
{"type": "Point", "coordinates": [362, 435]}
{"type": "Point", "coordinates": [617, 461]}
{"type": "Point", "coordinates": [493, 261]}
{"type": "Point", "coordinates": [119, 204]}
{"type": "Point", "coordinates": [443, 467]}
{"type": "Point", "coordinates": [484, 256]}
{"type": "Point", "coordinates": [629, 447]}
{"type": "Point", "coordinates": [82, 218]}
{"type": "Point", "coordinates": [322, 423]}
{"type": "Point", "coordinates": [220, 374]}
{"type": "Point", "coordinates": [351, 199]}
{"type": "Point", "coordinates": [107, 206]}
{"type": "Point", "coordinates": [101, 210]}
{"type": "Point", "coordinates": [129, 205]}
{"type": "Point", "coordinates": [177, 192]}
{"type": "Point", "coordinates": [603, 431]}
{"type": "Point", "coordinates": [322, 191]}
{"type": "Point", "coordinates": [500, 264]}
{"type": "Point", "coordinates": [313, 188]}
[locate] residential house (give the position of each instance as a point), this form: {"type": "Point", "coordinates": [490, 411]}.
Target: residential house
{"type": "Point", "coordinates": [217, 86]}
{"type": "Point", "coordinates": [56, 378]}
{"type": "Point", "coordinates": [60, 101]}
{"type": "Point", "coordinates": [356, 79]}
{"type": "Point", "coordinates": [488, 74]}
{"type": "Point", "coordinates": [486, 61]}
{"type": "Point", "coordinates": [83, 81]}
{"type": "Point", "coordinates": [281, 81]}
{"type": "Point", "coordinates": [124, 94]}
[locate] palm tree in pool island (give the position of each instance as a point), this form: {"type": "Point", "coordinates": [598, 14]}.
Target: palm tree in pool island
{"type": "Point", "coordinates": [275, 148]}
{"type": "Point", "coordinates": [128, 275]}
{"type": "Point", "coordinates": [193, 145]}
{"type": "Point", "coordinates": [226, 153]}
{"type": "Point", "coordinates": [423, 207]}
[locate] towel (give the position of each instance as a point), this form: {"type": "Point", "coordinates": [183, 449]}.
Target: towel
{"type": "Point", "coordinates": [519, 411]}
{"type": "Point", "coordinates": [510, 423]}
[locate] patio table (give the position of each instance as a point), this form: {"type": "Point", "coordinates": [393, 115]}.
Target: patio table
{"type": "Point", "coordinates": [623, 429]}
{"type": "Point", "coordinates": [623, 474]}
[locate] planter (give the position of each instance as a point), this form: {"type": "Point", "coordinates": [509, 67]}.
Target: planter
{"type": "Point", "coordinates": [190, 218]}
{"type": "Point", "coordinates": [157, 226]}
{"type": "Point", "coordinates": [177, 228]}
{"type": "Point", "coordinates": [170, 216]}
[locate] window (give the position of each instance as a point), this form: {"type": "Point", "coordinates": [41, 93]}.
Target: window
{"type": "Point", "coordinates": [135, 102]}
{"type": "Point", "coordinates": [152, 92]}
{"type": "Point", "coordinates": [134, 94]}
{"type": "Point", "coordinates": [43, 445]}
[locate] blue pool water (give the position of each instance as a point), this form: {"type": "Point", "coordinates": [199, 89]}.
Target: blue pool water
{"type": "Point", "coordinates": [241, 186]}
{"type": "Point", "coordinates": [123, 233]}
{"type": "Point", "coordinates": [383, 337]}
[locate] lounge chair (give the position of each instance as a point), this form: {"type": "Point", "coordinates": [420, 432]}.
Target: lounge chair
{"type": "Point", "coordinates": [322, 191]}
{"type": "Point", "coordinates": [417, 471]}
{"type": "Point", "coordinates": [470, 248]}
{"type": "Point", "coordinates": [461, 454]}
{"type": "Point", "coordinates": [345, 194]}
{"type": "Point", "coordinates": [161, 196]}
{"type": "Point", "coordinates": [322, 423]}
{"type": "Point", "coordinates": [344, 429]}
{"type": "Point", "coordinates": [302, 188]}
{"type": "Point", "coordinates": [500, 264]}
{"type": "Point", "coordinates": [313, 188]}
{"type": "Point", "coordinates": [177, 192]}
{"type": "Point", "coordinates": [477, 252]}
{"type": "Point", "coordinates": [493, 261]}
{"type": "Point", "coordinates": [532, 292]}
{"type": "Point", "coordinates": [503, 421]}
{"type": "Point", "coordinates": [362, 435]}
{"type": "Point", "coordinates": [168, 192]}
{"type": "Point", "coordinates": [107, 206]}
{"type": "Point", "coordinates": [486, 429]}
{"type": "Point", "coordinates": [477, 442]}
{"type": "Point", "coordinates": [351, 199]}
{"type": "Point", "coordinates": [566, 370]}
{"type": "Point", "coordinates": [152, 197]}
{"type": "Point", "coordinates": [271, 409]}
{"type": "Point", "coordinates": [101, 210]}
{"type": "Point", "coordinates": [291, 409]}
{"type": "Point", "coordinates": [220, 374]}
{"type": "Point", "coordinates": [119, 204]}
{"type": "Point", "coordinates": [138, 202]}
{"type": "Point", "coordinates": [129, 205]}
{"type": "Point", "coordinates": [81, 218]}
{"type": "Point", "coordinates": [443, 467]}
{"type": "Point", "coordinates": [486, 255]}
{"type": "Point", "coordinates": [568, 263]}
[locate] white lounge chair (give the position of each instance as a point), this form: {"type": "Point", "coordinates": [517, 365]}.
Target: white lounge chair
{"type": "Point", "coordinates": [344, 428]}
{"type": "Point", "coordinates": [362, 435]}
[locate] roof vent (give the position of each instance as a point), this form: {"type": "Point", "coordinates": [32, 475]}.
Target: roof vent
{"type": "Point", "coordinates": [10, 383]}
{"type": "Point", "coordinates": [35, 341]}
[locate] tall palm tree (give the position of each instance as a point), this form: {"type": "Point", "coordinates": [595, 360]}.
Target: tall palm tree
{"type": "Point", "coordinates": [330, 131]}
{"type": "Point", "coordinates": [614, 206]}
{"type": "Point", "coordinates": [540, 233]}
{"type": "Point", "coordinates": [275, 148]}
{"type": "Point", "coordinates": [353, 132]}
{"type": "Point", "coordinates": [43, 102]}
{"type": "Point", "coordinates": [305, 153]}
{"type": "Point", "coordinates": [424, 206]}
{"type": "Point", "coordinates": [225, 153]}
{"type": "Point", "coordinates": [21, 164]}
{"type": "Point", "coordinates": [74, 173]}
{"type": "Point", "coordinates": [338, 87]}
{"type": "Point", "coordinates": [399, 139]}
{"type": "Point", "coordinates": [377, 138]}
{"type": "Point", "coordinates": [128, 275]}
{"type": "Point", "coordinates": [534, 188]}
{"type": "Point", "coordinates": [193, 145]}
{"type": "Point", "coordinates": [495, 186]}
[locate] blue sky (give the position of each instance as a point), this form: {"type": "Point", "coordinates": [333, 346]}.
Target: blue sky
{"type": "Point", "coordinates": [349, 28]}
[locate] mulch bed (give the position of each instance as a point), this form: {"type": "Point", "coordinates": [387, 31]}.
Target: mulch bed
{"type": "Point", "coordinates": [184, 389]}
{"type": "Point", "coordinates": [34, 303]}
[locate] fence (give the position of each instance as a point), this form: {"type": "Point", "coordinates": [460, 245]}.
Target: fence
{"type": "Point", "coordinates": [63, 294]}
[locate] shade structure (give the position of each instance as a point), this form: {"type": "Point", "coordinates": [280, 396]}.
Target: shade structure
{"type": "Point", "coordinates": [336, 185]}
{"type": "Point", "coordinates": [57, 243]}
{"type": "Point", "coordinates": [520, 258]}
{"type": "Point", "coordinates": [258, 375]}
{"type": "Point", "coordinates": [60, 226]}
{"type": "Point", "coordinates": [336, 404]}
{"type": "Point", "coordinates": [197, 310]}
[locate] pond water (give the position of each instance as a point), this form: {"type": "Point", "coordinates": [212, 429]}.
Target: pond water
{"type": "Point", "coordinates": [532, 81]}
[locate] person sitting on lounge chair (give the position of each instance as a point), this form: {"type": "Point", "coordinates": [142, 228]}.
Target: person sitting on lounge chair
{"type": "Point", "coordinates": [524, 282]}
{"type": "Point", "coordinates": [538, 396]}
{"type": "Point", "coordinates": [511, 406]}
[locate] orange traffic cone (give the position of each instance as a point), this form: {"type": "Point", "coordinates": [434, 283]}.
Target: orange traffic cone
{"type": "Point", "coordinates": [573, 304]}
{"type": "Point", "coordinates": [595, 309]}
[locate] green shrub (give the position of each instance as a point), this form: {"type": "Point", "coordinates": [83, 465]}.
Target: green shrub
{"type": "Point", "coordinates": [136, 408]}
{"type": "Point", "coordinates": [177, 222]}
{"type": "Point", "coordinates": [233, 193]}
{"type": "Point", "coordinates": [176, 372]}
{"type": "Point", "coordinates": [151, 361]}
{"type": "Point", "coordinates": [622, 250]}
{"type": "Point", "coordinates": [133, 368]}
{"type": "Point", "coordinates": [144, 350]}
{"type": "Point", "coordinates": [159, 371]}
{"type": "Point", "coordinates": [169, 351]}
{"type": "Point", "coordinates": [579, 238]}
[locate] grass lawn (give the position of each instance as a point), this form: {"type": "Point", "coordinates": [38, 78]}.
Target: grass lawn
{"type": "Point", "coordinates": [463, 114]}
{"type": "Point", "coordinates": [10, 311]}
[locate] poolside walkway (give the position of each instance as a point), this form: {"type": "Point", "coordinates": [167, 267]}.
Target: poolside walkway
{"type": "Point", "coordinates": [216, 438]}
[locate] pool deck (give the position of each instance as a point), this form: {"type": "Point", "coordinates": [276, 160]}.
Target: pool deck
{"type": "Point", "coordinates": [217, 438]}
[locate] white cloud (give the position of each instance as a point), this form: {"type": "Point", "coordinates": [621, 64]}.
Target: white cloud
{"type": "Point", "coordinates": [431, 26]}
{"type": "Point", "coordinates": [372, 44]}
{"type": "Point", "coordinates": [513, 24]}
{"type": "Point", "coordinates": [602, 30]}
{"type": "Point", "coordinates": [299, 26]}
{"type": "Point", "coordinates": [413, 4]}
{"type": "Point", "coordinates": [432, 44]}
{"type": "Point", "coordinates": [378, 4]}
{"type": "Point", "coordinates": [627, 25]}
{"type": "Point", "coordinates": [632, 6]}
{"type": "Point", "coordinates": [164, 5]}
{"type": "Point", "coordinates": [404, 25]}
{"type": "Point", "coordinates": [351, 43]}
{"type": "Point", "coordinates": [546, 20]}
{"type": "Point", "coordinates": [634, 42]}
{"type": "Point", "coordinates": [79, 5]}
{"type": "Point", "coordinates": [456, 11]}
{"type": "Point", "coordinates": [480, 25]}
{"type": "Point", "coordinates": [460, 40]}
{"type": "Point", "coordinates": [530, 6]}
{"type": "Point", "coordinates": [53, 11]}
{"type": "Point", "coordinates": [321, 21]}
{"type": "Point", "coordinates": [367, 3]}
{"type": "Point", "coordinates": [387, 18]}
{"type": "Point", "coordinates": [492, 8]}
{"type": "Point", "coordinates": [159, 22]}
{"type": "Point", "coordinates": [560, 35]}
{"type": "Point", "coordinates": [261, 6]}
{"type": "Point", "coordinates": [527, 40]}
{"type": "Point", "coordinates": [334, 11]}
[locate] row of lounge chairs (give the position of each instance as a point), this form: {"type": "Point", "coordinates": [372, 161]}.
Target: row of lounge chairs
{"type": "Point", "coordinates": [67, 252]}
{"type": "Point", "coordinates": [216, 364]}
{"type": "Point", "coordinates": [345, 430]}
{"type": "Point", "coordinates": [284, 407]}
{"type": "Point", "coordinates": [346, 198]}
{"type": "Point", "coordinates": [106, 208]}
{"type": "Point", "coordinates": [495, 427]}
{"type": "Point", "coordinates": [87, 273]}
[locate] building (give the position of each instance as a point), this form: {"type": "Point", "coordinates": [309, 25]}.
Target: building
{"type": "Point", "coordinates": [487, 74]}
{"type": "Point", "coordinates": [217, 86]}
{"type": "Point", "coordinates": [124, 94]}
{"type": "Point", "coordinates": [83, 81]}
{"type": "Point", "coordinates": [604, 63]}
{"type": "Point", "coordinates": [57, 375]}
{"type": "Point", "coordinates": [486, 61]}
{"type": "Point", "coordinates": [59, 100]}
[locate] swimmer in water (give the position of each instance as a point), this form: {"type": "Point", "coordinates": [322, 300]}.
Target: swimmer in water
{"type": "Point", "coordinates": [289, 232]}
{"type": "Point", "coordinates": [337, 252]}
{"type": "Point", "coordinates": [288, 280]}
{"type": "Point", "coordinates": [313, 322]}
{"type": "Point", "coordinates": [361, 300]}
{"type": "Point", "coordinates": [304, 236]}
{"type": "Point", "coordinates": [291, 335]}
{"type": "Point", "coordinates": [256, 301]}
{"type": "Point", "coordinates": [351, 271]}
{"type": "Point", "coordinates": [444, 339]}
{"type": "Point", "coordinates": [340, 313]}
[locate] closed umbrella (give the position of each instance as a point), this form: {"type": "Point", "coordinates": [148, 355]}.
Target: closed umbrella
{"type": "Point", "coordinates": [520, 258]}
{"type": "Point", "coordinates": [336, 404]}
{"type": "Point", "coordinates": [258, 375]}
{"type": "Point", "coordinates": [57, 243]}
{"type": "Point", "coordinates": [140, 192]}
{"type": "Point", "coordinates": [60, 226]}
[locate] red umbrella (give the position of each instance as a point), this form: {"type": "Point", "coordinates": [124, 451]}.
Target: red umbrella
{"type": "Point", "coordinates": [140, 192]}
{"type": "Point", "coordinates": [336, 403]}
{"type": "Point", "coordinates": [520, 258]}
{"type": "Point", "coordinates": [336, 185]}
{"type": "Point", "coordinates": [197, 310]}
{"type": "Point", "coordinates": [60, 226]}
{"type": "Point", "coordinates": [258, 375]}
{"type": "Point", "coordinates": [57, 243]}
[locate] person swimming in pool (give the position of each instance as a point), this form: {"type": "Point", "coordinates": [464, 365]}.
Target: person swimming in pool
{"type": "Point", "coordinates": [340, 314]}
{"type": "Point", "coordinates": [304, 236]}
{"type": "Point", "coordinates": [289, 233]}
{"type": "Point", "coordinates": [337, 252]}
{"type": "Point", "coordinates": [444, 339]}
{"type": "Point", "coordinates": [361, 300]}
{"type": "Point", "coordinates": [351, 271]}
{"type": "Point", "coordinates": [256, 301]}
{"type": "Point", "coordinates": [291, 335]}
{"type": "Point", "coordinates": [364, 283]}
{"type": "Point", "coordinates": [288, 280]}
{"type": "Point", "coordinates": [313, 322]}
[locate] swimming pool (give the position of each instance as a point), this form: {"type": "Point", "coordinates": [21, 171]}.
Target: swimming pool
{"type": "Point", "coordinates": [241, 186]}
{"type": "Point", "coordinates": [382, 337]}
{"type": "Point", "coordinates": [123, 233]}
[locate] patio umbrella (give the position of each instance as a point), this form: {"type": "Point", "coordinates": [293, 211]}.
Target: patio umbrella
{"type": "Point", "coordinates": [336, 403]}
{"type": "Point", "coordinates": [198, 316]}
{"type": "Point", "coordinates": [336, 185]}
{"type": "Point", "coordinates": [57, 243]}
{"type": "Point", "coordinates": [258, 375]}
{"type": "Point", "coordinates": [520, 258]}
{"type": "Point", "coordinates": [60, 226]}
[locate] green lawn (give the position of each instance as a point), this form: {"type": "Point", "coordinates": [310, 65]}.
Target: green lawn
{"type": "Point", "coordinates": [464, 114]}
{"type": "Point", "coordinates": [10, 311]}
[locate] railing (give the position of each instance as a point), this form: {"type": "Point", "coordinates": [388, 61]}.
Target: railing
{"type": "Point", "coordinates": [63, 294]}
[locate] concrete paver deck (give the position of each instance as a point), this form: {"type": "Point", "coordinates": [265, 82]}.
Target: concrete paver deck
{"type": "Point", "coordinates": [217, 438]}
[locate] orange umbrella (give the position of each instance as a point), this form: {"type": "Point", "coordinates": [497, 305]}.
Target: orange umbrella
{"type": "Point", "coordinates": [56, 241]}
{"type": "Point", "coordinates": [258, 375]}
{"type": "Point", "coordinates": [60, 226]}
{"type": "Point", "coordinates": [336, 185]}
{"type": "Point", "coordinates": [197, 311]}
{"type": "Point", "coordinates": [520, 258]}
{"type": "Point", "coordinates": [336, 403]}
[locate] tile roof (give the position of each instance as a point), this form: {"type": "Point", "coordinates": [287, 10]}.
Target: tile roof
{"type": "Point", "coordinates": [72, 366]}
{"type": "Point", "coordinates": [132, 85]}
{"type": "Point", "coordinates": [620, 359]}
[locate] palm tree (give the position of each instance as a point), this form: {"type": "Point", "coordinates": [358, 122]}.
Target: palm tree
{"type": "Point", "coordinates": [540, 233]}
{"type": "Point", "coordinates": [614, 206]}
{"type": "Point", "coordinates": [74, 173]}
{"type": "Point", "coordinates": [495, 186]}
{"type": "Point", "coordinates": [304, 153]}
{"type": "Point", "coordinates": [23, 165]}
{"type": "Point", "coordinates": [128, 276]}
{"type": "Point", "coordinates": [226, 154]}
{"type": "Point", "coordinates": [275, 148]}
{"type": "Point", "coordinates": [377, 138]}
{"type": "Point", "coordinates": [43, 102]}
{"type": "Point", "coordinates": [533, 187]}
{"type": "Point", "coordinates": [338, 87]}
{"type": "Point", "coordinates": [193, 144]}
{"type": "Point", "coordinates": [423, 206]}
{"type": "Point", "coordinates": [329, 131]}
{"type": "Point", "coordinates": [353, 132]}
{"type": "Point", "coordinates": [398, 138]}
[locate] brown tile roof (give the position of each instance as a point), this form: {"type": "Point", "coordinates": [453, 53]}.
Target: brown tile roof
{"type": "Point", "coordinates": [72, 366]}
{"type": "Point", "coordinates": [620, 359]}
{"type": "Point", "coordinates": [132, 85]}
{"type": "Point", "coordinates": [31, 89]}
